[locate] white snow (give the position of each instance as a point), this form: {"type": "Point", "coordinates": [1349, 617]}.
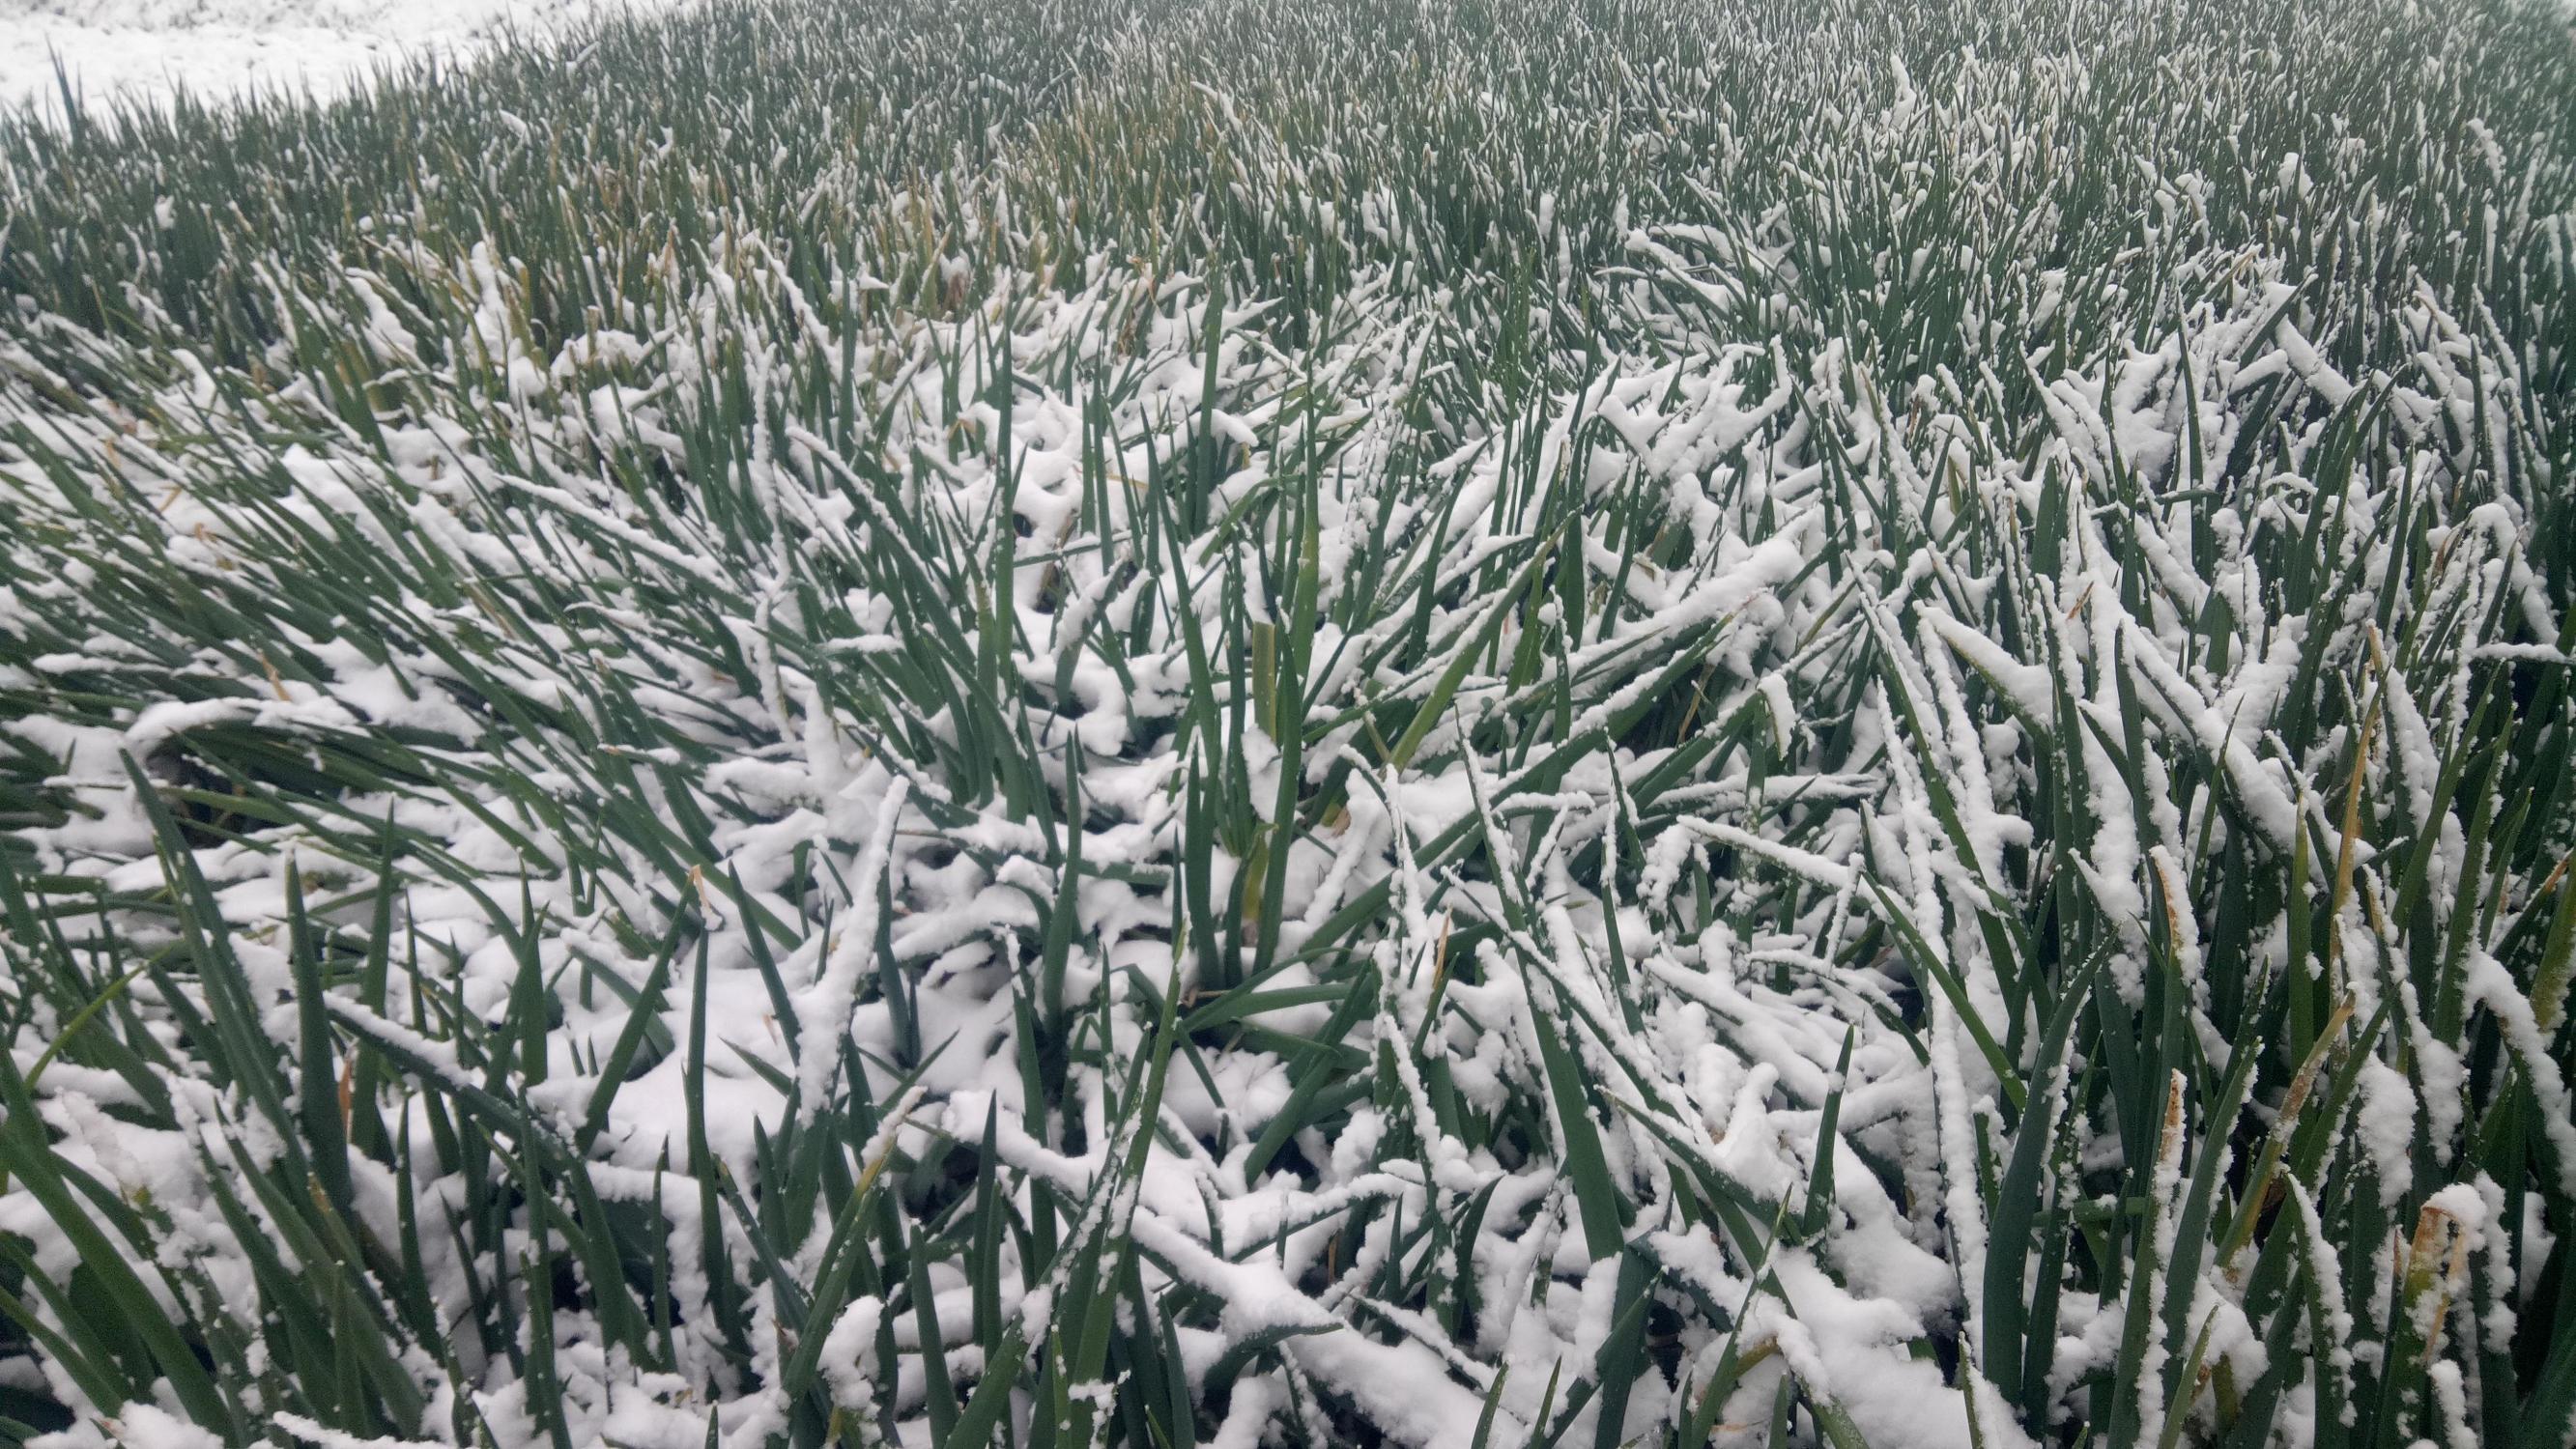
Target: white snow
{"type": "Point", "coordinates": [149, 50]}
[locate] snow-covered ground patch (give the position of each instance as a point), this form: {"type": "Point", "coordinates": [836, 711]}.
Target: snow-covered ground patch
{"type": "Point", "coordinates": [219, 48]}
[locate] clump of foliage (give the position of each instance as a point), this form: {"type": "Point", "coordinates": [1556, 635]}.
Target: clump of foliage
{"type": "Point", "coordinates": [1471, 723]}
